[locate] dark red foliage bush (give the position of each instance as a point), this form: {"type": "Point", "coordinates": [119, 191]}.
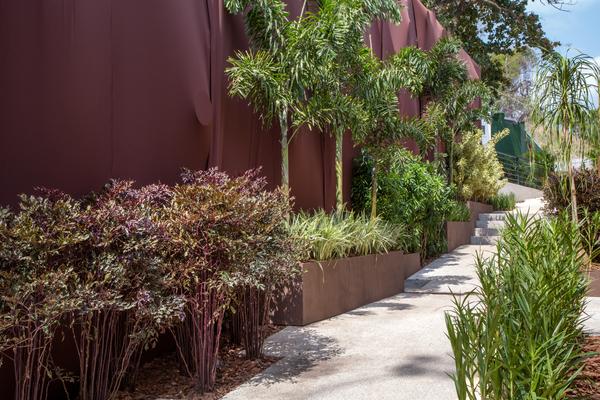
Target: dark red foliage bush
{"type": "Point", "coordinates": [118, 267]}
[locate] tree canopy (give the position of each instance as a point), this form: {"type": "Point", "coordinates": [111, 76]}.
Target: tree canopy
{"type": "Point", "coordinates": [489, 27]}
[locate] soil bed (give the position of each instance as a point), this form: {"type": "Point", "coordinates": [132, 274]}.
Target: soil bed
{"type": "Point", "coordinates": [161, 379]}
{"type": "Point", "coordinates": [588, 383]}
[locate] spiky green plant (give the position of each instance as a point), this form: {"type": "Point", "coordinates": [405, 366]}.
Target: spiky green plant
{"type": "Point", "coordinates": [520, 338]}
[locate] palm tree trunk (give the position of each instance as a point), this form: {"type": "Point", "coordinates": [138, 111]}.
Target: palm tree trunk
{"type": "Point", "coordinates": [374, 189]}
{"type": "Point", "coordinates": [339, 182]}
{"type": "Point", "coordinates": [571, 178]}
{"type": "Point", "coordinates": [285, 176]}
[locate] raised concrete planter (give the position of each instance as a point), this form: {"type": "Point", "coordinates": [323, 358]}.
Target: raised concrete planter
{"type": "Point", "coordinates": [459, 233]}
{"type": "Point", "coordinates": [594, 287]}
{"type": "Point", "coordinates": [330, 288]}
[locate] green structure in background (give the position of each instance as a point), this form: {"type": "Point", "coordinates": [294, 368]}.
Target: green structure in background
{"type": "Point", "coordinates": [517, 142]}
{"type": "Point", "coordinates": [514, 153]}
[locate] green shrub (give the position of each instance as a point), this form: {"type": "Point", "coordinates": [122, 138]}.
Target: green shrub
{"type": "Point", "coordinates": [503, 202]}
{"type": "Point", "coordinates": [557, 195]}
{"type": "Point", "coordinates": [521, 339]}
{"type": "Point", "coordinates": [477, 171]}
{"type": "Point", "coordinates": [458, 211]}
{"type": "Point", "coordinates": [335, 235]}
{"type": "Point", "coordinates": [409, 192]}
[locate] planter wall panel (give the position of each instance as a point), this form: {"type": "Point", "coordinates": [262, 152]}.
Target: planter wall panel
{"type": "Point", "coordinates": [412, 264]}
{"type": "Point", "coordinates": [459, 233]}
{"type": "Point", "coordinates": [334, 287]}
{"type": "Point", "coordinates": [594, 286]}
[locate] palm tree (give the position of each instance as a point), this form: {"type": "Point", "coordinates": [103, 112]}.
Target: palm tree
{"type": "Point", "coordinates": [449, 90]}
{"type": "Point", "coordinates": [272, 73]}
{"type": "Point", "coordinates": [562, 103]}
{"type": "Point", "coordinates": [405, 70]}
{"type": "Point", "coordinates": [346, 70]}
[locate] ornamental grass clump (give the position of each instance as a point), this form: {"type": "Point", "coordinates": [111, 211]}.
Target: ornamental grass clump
{"type": "Point", "coordinates": [339, 235]}
{"type": "Point", "coordinates": [520, 339]}
{"type": "Point", "coordinates": [503, 202]}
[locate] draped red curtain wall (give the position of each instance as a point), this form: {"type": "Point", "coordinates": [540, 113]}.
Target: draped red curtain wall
{"type": "Point", "coordinates": [135, 89]}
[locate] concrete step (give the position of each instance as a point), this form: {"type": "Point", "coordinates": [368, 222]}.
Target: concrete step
{"type": "Point", "coordinates": [487, 231]}
{"type": "Point", "coordinates": [484, 239]}
{"type": "Point", "coordinates": [497, 216]}
{"type": "Point", "coordinates": [489, 224]}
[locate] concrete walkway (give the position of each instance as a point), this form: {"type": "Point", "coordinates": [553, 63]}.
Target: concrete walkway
{"type": "Point", "coordinates": [395, 348]}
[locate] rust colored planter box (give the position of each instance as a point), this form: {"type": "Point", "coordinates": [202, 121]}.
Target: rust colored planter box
{"type": "Point", "coordinates": [330, 288]}
{"type": "Point", "coordinates": [594, 278]}
{"type": "Point", "coordinates": [412, 264]}
{"type": "Point", "coordinates": [459, 233]}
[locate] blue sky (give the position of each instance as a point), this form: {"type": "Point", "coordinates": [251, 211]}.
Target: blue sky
{"type": "Point", "coordinates": [579, 28]}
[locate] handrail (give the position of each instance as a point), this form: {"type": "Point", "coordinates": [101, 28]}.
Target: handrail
{"type": "Point", "coordinates": [522, 171]}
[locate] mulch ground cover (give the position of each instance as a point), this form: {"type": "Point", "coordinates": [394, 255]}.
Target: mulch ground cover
{"type": "Point", "coordinates": [588, 384]}
{"type": "Point", "coordinates": [161, 377]}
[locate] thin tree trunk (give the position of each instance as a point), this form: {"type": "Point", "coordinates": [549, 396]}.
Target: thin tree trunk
{"type": "Point", "coordinates": [451, 164]}
{"type": "Point", "coordinates": [339, 198]}
{"type": "Point", "coordinates": [374, 189]}
{"type": "Point", "coordinates": [285, 177]}
{"type": "Point", "coordinates": [571, 178]}
{"type": "Point", "coordinates": [573, 194]}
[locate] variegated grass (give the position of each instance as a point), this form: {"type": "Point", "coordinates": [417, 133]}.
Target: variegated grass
{"type": "Point", "coordinates": [339, 235]}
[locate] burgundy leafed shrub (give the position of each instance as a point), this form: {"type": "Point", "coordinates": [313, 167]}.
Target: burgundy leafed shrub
{"type": "Point", "coordinates": [119, 267]}
{"type": "Point", "coordinates": [231, 233]}
{"type": "Point", "coordinates": [36, 273]}
{"type": "Point", "coordinates": [123, 286]}
{"type": "Point", "coordinates": [557, 194]}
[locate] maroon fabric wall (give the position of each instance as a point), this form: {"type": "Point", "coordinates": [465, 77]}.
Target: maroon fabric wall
{"type": "Point", "coordinates": [135, 89]}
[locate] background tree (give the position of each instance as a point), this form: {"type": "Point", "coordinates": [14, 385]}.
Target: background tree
{"type": "Point", "coordinates": [334, 36]}
{"type": "Point", "coordinates": [514, 99]}
{"type": "Point", "coordinates": [562, 103]}
{"type": "Point", "coordinates": [489, 27]}
{"type": "Point", "coordinates": [449, 92]}
{"type": "Point", "coordinates": [271, 73]}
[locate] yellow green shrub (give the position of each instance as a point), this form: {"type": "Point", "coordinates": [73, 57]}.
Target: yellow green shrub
{"type": "Point", "coordinates": [478, 173]}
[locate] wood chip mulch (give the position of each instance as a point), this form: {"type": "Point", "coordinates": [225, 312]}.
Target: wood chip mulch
{"type": "Point", "coordinates": [429, 260]}
{"type": "Point", "coordinates": [588, 384]}
{"type": "Point", "coordinates": [161, 378]}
